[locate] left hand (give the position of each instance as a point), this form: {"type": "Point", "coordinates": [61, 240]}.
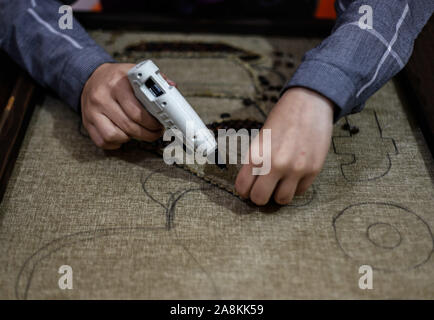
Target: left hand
{"type": "Point", "coordinates": [301, 126]}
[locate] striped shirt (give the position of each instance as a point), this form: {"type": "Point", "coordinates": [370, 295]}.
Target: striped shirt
{"type": "Point", "coordinates": [347, 67]}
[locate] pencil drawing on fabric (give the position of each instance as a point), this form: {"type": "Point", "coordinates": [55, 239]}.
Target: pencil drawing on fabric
{"type": "Point", "coordinates": [135, 227]}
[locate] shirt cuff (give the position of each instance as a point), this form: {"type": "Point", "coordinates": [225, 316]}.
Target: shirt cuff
{"type": "Point", "coordinates": [77, 71]}
{"type": "Point", "coordinates": [329, 81]}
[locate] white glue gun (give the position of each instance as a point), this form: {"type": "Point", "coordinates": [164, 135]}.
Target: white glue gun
{"type": "Point", "coordinates": [167, 104]}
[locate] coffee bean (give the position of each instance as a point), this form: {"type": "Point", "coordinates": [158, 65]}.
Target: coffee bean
{"type": "Point", "coordinates": [264, 81]}
{"type": "Point", "coordinates": [346, 126]}
{"type": "Point", "coordinates": [278, 53]}
{"type": "Point", "coordinates": [247, 102]}
{"type": "Point", "coordinates": [225, 115]}
{"type": "Point", "coordinates": [350, 128]}
{"type": "Point", "coordinates": [274, 88]}
{"type": "Point", "coordinates": [354, 130]}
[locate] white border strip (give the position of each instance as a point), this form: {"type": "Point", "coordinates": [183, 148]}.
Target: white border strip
{"type": "Point", "coordinates": [386, 54]}
{"type": "Point", "coordinates": [383, 41]}
{"type": "Point", "coordinates": [51, 29]}
{"type": "Point", "coordinates": [341, 6]}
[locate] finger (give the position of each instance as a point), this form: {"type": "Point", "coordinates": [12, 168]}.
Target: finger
{"type": "Point", "coordinates": [304, 184]}
{"type": "Point", "coordinates": [134, 109]}
{"type": "Point", "coordinates": [95, 136]}
{"type": "Point", "coordinates": [263, 188]}
{"type": "Point", "coordinates": [116, 114]}
{"type": "Point", "coordinates": [99, 140]}
{"type": "Point", "coordinates": [170, 82]}
{"type": "Point", "coordinates": [244, 181]}
{"type": "Point", "coordinates": [286, 189]}
{"type": "Point", "coordinates": [109, 131]}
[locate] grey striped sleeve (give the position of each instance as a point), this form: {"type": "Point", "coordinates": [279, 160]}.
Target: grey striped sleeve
{"type": "Point", "coordinates": [353, 63]}
{"type": "Point", "coordinates": [62, 60]}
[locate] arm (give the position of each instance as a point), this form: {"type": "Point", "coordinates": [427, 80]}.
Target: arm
{"type": "Point", "coordinates": [353, 63]}
{"type": "Point", "coordinates": [77, 69]}
{"type": "Point", "coordinates": [334, 79]}
{"type": "Point", "coordinates": [62, 60]}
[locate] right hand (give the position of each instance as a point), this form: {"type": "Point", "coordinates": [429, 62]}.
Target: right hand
{"type": "Point", "coordinates": [110, 111]}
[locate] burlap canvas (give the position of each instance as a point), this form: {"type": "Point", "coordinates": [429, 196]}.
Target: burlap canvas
{"type": "Point", "coordinates": [132, 227]}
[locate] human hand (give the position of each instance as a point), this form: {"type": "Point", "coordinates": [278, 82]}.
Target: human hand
{"type": "Point", "coordinates": [301, 126]}
{"type": "Point", "coordinates": [110, 111]}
